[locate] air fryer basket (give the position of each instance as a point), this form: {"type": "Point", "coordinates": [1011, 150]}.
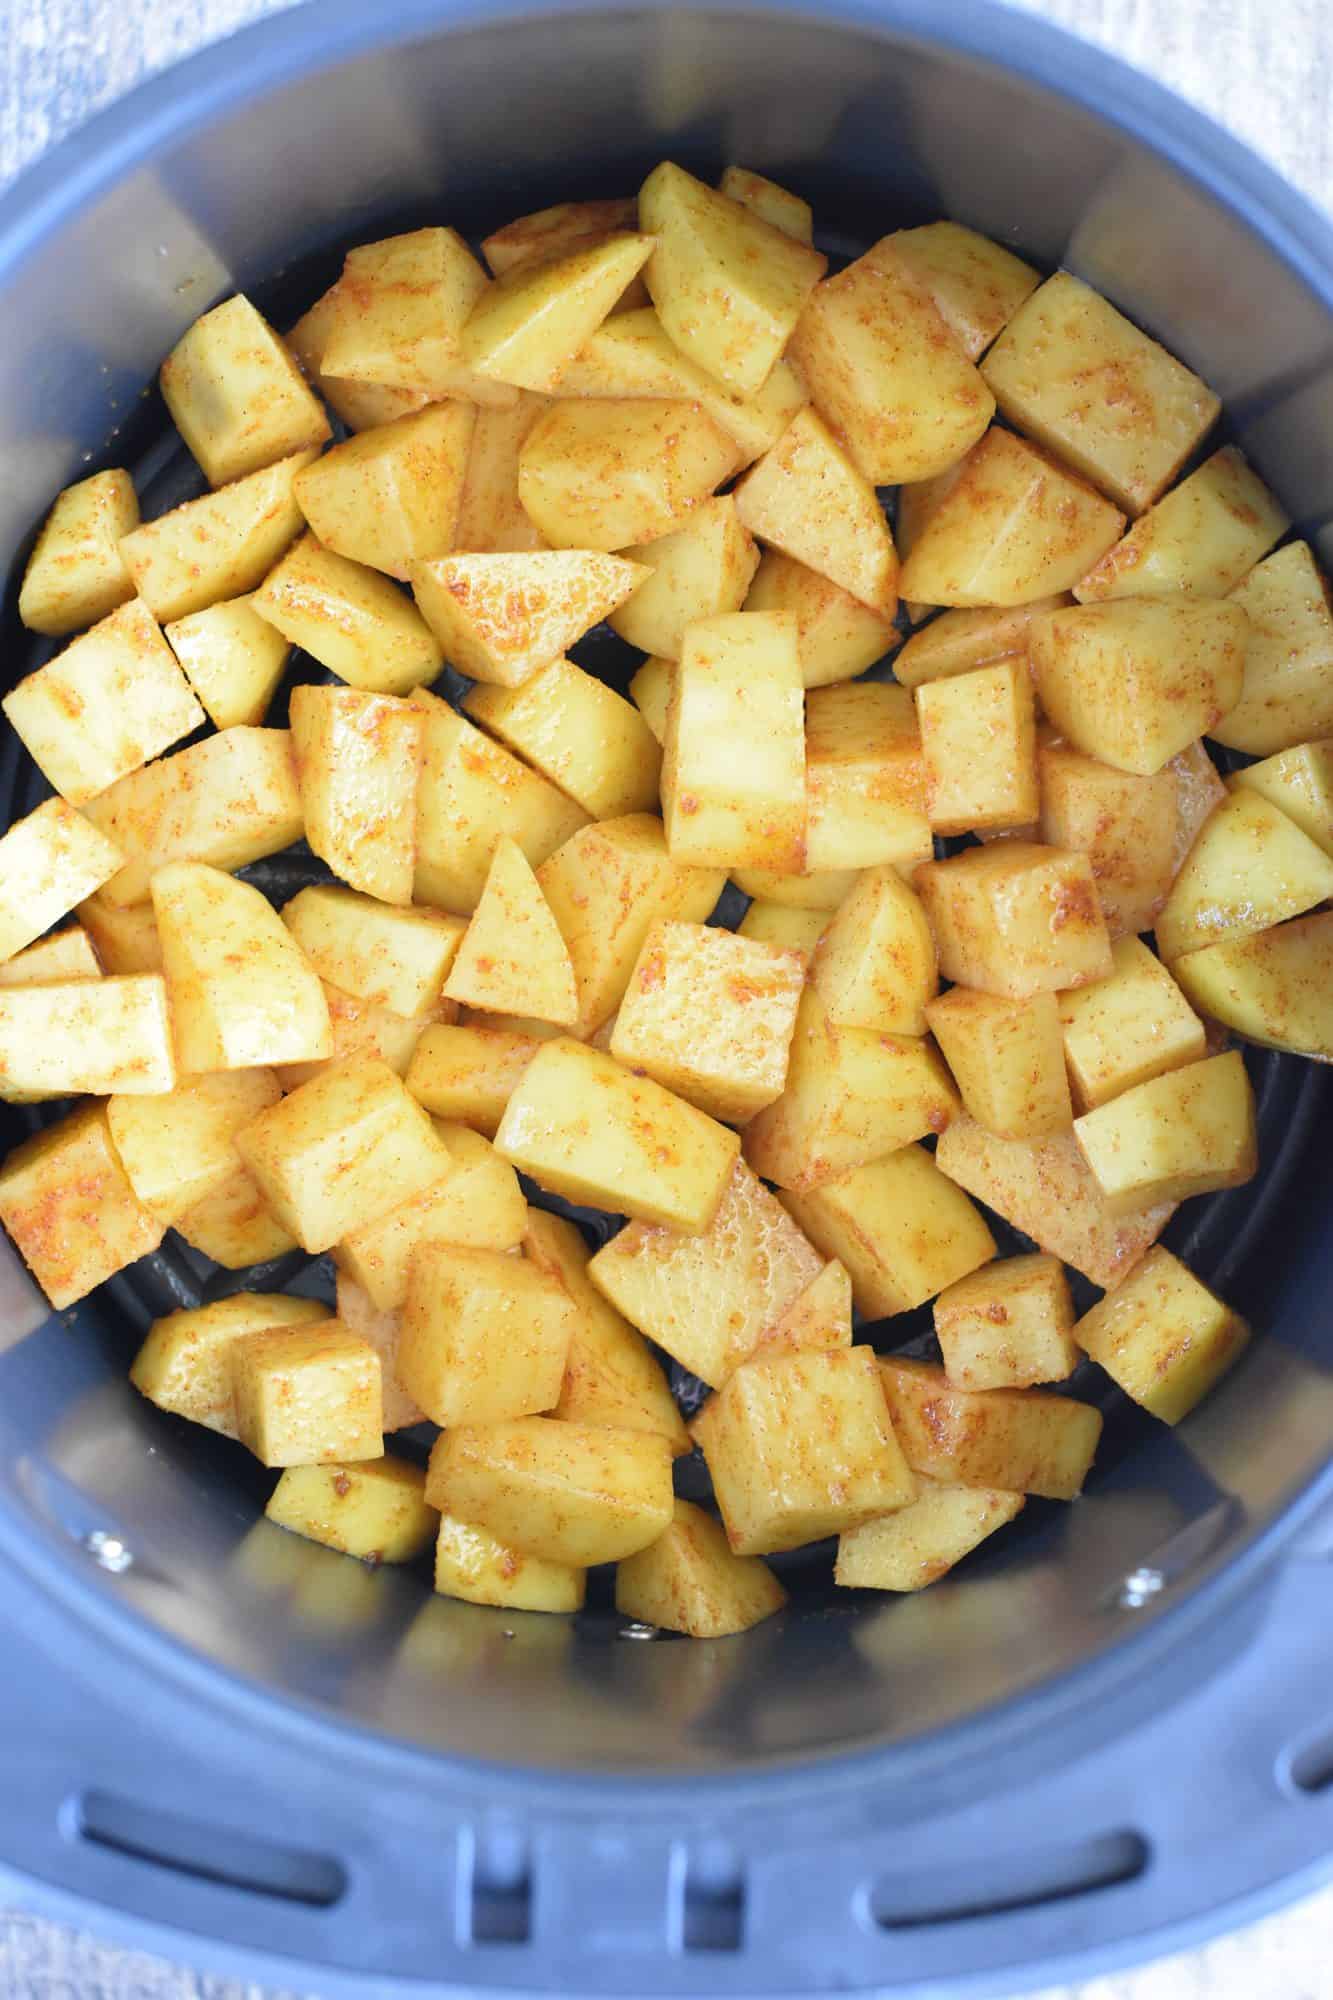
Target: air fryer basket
{"type": "Point", "coordinates": [326, 1714]}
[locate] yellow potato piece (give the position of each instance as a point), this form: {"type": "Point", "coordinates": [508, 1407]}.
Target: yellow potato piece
{"type": "Point", "coordinates": [1020, 1440]}
{"type": "Point", "coordinates": [567, 1493]}
{"type": "Point", "coordinates": [64, 955]}
{"type": "Point", "coordinates": [473, 1565]}
{"type": "Point", "coordinates": [979, 749]}
{"type": "Point", "coordinates": [176, 1147]}
{"type": "Point", "coordinates": [555, 232]}
{"type": "Point", "coordinates": [78, 1036]}
{"type": "Point", "coordinates": [1199, 540]}
{"type": "Point", "coordinates": [216, 547]}
{"type": "Point", "coordinates": [923, 1541]}
{"type": "Point", "coordinates": [50, 861]}
{"type": "Point", "coordinates": [865, 781]}
{"type": "Point", "coordinates": [1163, 1336]}
{"type": "Point", "coordinates": [75, 575]}
{"type": "Point", "coordinates": [1190, 1131]}
{"type": "Point", "coordinates": [1128, 825]}
{"type": "Point", "coordinates": [307, 1395]}
{"type": "Point", "coordinates": [235, 1226]}
{"type": "Point", "coordinates": [1008, 1326]}
{"type": "Point", "coordinates": [823, 889]}
{"type": "Point", "coordinates": [376, 1511]}
{"type": "Point", "coordinates": [1299, 782]}
{"type": "Point", "coordinates": [874, 963]}
{"type": "Point", "coordinates": [358, 1311]}
{"type": "Point", "coordinates": [395, 958]}
{"type": "Point", "coordinates": [782, 925]}
{"type": "Point", "coordinates": [512, 958]}
{"type": "Point", "coordinates": [807, 499]}
{"type": "Point", "coordinates": [69, 1209]}
{"type": "Point", "coordinates": [490, 513]}
{"type": "Point", "coordinates": [468, 1072]}
{"type": "Point", "coordinates": [233, 659]}
{"type": "Point", "coordinates": [600, 474]}
{"type": "Point", "coordinates": [236, 395]}
{"type": "Point", "coordinates": [484, 1335]}
{"type": "Point", "coordinates": [500, 618]}
{"type": "Point", "coordinates": [1249, 868]}
{"type": "Point", "coordinates": [771, 203]}
{"type": "Point", "coordinates": [361, 405]}
{"type": "Point", "coordinates": [702, 570]}
{"type": "Point", "coordinates": [401, 306]}
{"type": "Point", "coordinates": [478, 1205]}
{"type": "Point", "coordinates": [958, 642]}
{"type": "Point", "coordinates": [1016, 918]}
{"type": "Point", "coordinates": [837, 637]}
{"type": "Point", "coordinates": [1275, 988]}
{"type": "Point", "coordinates": [977, 285]}
{"type": "Point", "coordinates": [1007, 1058]}
{"type": "Point", "coordinates": [349, 618]}
{"type": "Point", "coordinates": [820, 1316]}
{"type": "Point", "coordinates": [579, 733]}
{"type": "Point", "coordinates": [689, 1581]}
{"type": "Point", "coordinates": [1127, 1028]}
{"type": "Point", "coordinates": [1288, 690]}
{"type": "Point", "coordinates": [528, 326]}
{"type": "Point", "coordinates": [358, 756]}
{"type": "Point", "coordinates": [391, 497]}
{"type": "Point", "coordinates": [184, 1365]}
{"type": "Point", "coordinates": [361, 1027]}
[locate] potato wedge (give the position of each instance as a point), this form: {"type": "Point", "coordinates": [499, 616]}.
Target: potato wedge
{"type": "Point", "coordinates": [923, 1541]}
{"type": "Point", "coordinates": [478, 1205]}
{"type": "Point", "coordinates": [233, 660]}
{"type": "Point", "coordinates": [528, 326]}
{"type": "Point", "coordinates": [1163, 1336]}
{"type": "Point", "coordinates": [958, 642]}
{"type": "Point", "coordinates": [820, 1316]}
{"type": "Point", "coordinates": [76, 575]}
{"type": "Point", "coordinates": [865, 780]}
{"type": "Point", "coordinates": [70, 1210]}
{"type": "Point", "coordinates": [468, 1072]}
{"type": "Point", "coordinates": [555, 232]}
{"type": "Point", "coordinates": [608, 475]}
{"type": "Point", "coordinates": [781, 925]}
{"type": "Point", "coordinates": [237, 396]}
{"type": "Point", "coordinates": [874, 962]}
{"type": "Point", "coordinates": [771, 203]}
{"type": "Point", "coordinates": [350, 619]}
{"type": "Point", "coordinates": [977, 285]}
{"type": "Point", "coordinates": [235, 1226]}
{"type": "Point", "coordinates": [500, 618]}
{"type": "Point", "coordinates": [818, 889]}
{"type": "Point", "coordinates": [689, 1581]}
{"type": "Point", "coordinates": [807, 499]}
{"type": "Point", "coordinates": [1127, 825]}
{"type": "Point", "coordinates": [358, 756]}
{"type": "Point", "coordinates": [979, 749]}
{"type": "Point", "coordinates": [512, 958]}
{"type": "Point", "coordinates": [82, 1036]}
{"type": "Point", "coordinates": [1199, 540]}
{"type": "Point", "coordinates": [395, 958]}
{"type": "Point", "coordinates": [472, 1565]}
{"type": "Point", "coordinates": [837, 637]}
{"type": "Point", "coordinates": [217, 547]}
{"type": "Point", "coordinates": [176, 1147]}
{"type": "Point", "coordinates": [362, 1028]}
{"type": "Point", "coordinates": [358, 1311]}
{"type": "Point", "coordinates": [579, 733]}
{"type": "Point", "coordinates": [1020, 1440]}
{"type": "Point", "coordinates": [490, 513]}
{"type": "Point", "coordinates": [50, 860]}
{"type": "Point", "coordinates": [63, 955]}
{"type": "Point", "coordinates": [360, 405]}
{"type": "Point", "coordinates": [1275, 988]}
{"type": "Point", "coordinates": [1299, 782]}
{"type": "Point", "coordinates": [700, 571]}
{"type": "Point", "coordinates": [1249, 868]}
{"type": "Point", "coordinates": [401, 306]}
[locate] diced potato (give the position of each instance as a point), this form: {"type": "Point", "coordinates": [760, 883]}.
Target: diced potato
{"type": "Point", "coordinates": [902, 1229]}
{"type": "Point", "coordinates": [125, 940]}
{"type": "Point", "coordinates": [1299, 782]}
{"type": "Point", "coordinates": [555, 232]}
{"type": "Point", "coordinates": [689, 1581]}
{"type": "Point", "coordinates": [342, 1151]}
{"type": "Point", "coordinates": [490, 514]}
{"type": "Point", "coordinates": [225, 801]}
{"type": "Point", "coordinates": [608, 885]}
{"type": "Point", "coordinates": [528, 326]}
{"type": "Point", "coordinates": [708, 1298]}
{"type": "Point", "coordinates": [358, 1311]}
{"type": "Point", "coordinates": [977, 285]}
{"type": "Point", "coordinates": [64, 955]}
{"type": "Point", "coordinates": [773, 204]}
{"type": "Point", "coordinates": [865, 779]}
{"type": "Point", "coordinates": [923, 1541]}
{"type": "Point", "coordinates": [820, 1316]}
{"type": "Point", "coordinates": [1199, 540]}
{"type": "Point", "coordinates": [307, 1395]}
{"type": "Point", "coordinates": [1127, 825]}
{"type": "Point", "coordinates": [401, 306]}
{"type": "Point", "coordinates": [468, 1073]}
{"type": "Point", "coordinates": [358, 756]}
{"type": "Point", "coordinates": [396, 958]}
{"type": "Point", "coordinates": [1276, 988]}
{"type": "Point", "coordinates": [1127, 1028]}
{"type": "Point", "coordinates": [242, 995]}
{"type": "Point", "coordinates": [478, 1205]}
{"type": "Point", "coordinates": [49, 861]}
{"type": "Point", "coordinates": [1131, 432]}
{"type": "Point", "coordinates": [1163, 1336]}
{"type": "Point", "coordinates": [874, 963]}
{"type": "Point", "coordinates": [233, 659]}
{"type": "Point", "coordinates": [471, 1564]}
{"type": "Point", "coordinates": [237, 396]}
{"type": "Point", "coordinates": [484, 1335]}
{"type": "Point", "coordinates": [1007, 1058]}
{"type": "Point", "coordinates": [1021, 1440]}
{"type": "Point", "coordinates": [184, 1366]}
{"type": "Point", "coordinates": [470, 792]}
{"type": "Point", "coordinates": [579, 733]}
{"type": "Point", "coordinates": [1016, 918]}
{"type": "Point", "coordinates": [808, 500]}
{"type": "Point", "coordinates": [217, 547]}
{"type": "Point", "coordinates": [361, 1028]}
{"type": "Point", "coordinates": [837, 637]}
{"type": "Point", "coordinates": [361, 405]}
{"type": "Point", "coordinates": [885, 371]}
{"type": "Point", "coordinates": [390, 497]}
{"type": "Point", "coordinates": [702, 570]}
{"type": "Point", "coordinates": [377, 1511]}
{"type": "Point", "coordinates": [568, 1493]}
{"type": "Point", "coordinates": [801, 1446]}
{"type": "Point", "coordinates": [958, 642]}
{"type": "Point", "coordinates": [1190, 1131]}
{"type": "Point", "coordinates": [781, 924]}
{"type": "Point", "coordinates": [349, 618]}
{"type": "Point", "coordinates": [821, 889]}
{"type": "Point", "coordinates": [583, 1127]}
{"type": "Point", "coordinates": [1249, 868]}
{"type": "Point", "coordinates": [69, 1208]}
{"type": "Point", "coordinates": [978, 745]}
{"type": "Point", "coordinates": [512, 958]}
{"type": "Point", "coordinates": [608, 475]}
{"type": "Point", "coordinates": [75, 575]}
{"type": "Point", "coordinates": [104, 706]}
{"type": "Point", "coordinates": [234, 1225]}
{"type": "Point", "coordinates": [728, 287]}
{"type": "Point", "coordinates": [1288, 690]}
{"type": "Point", "coordinates": [176, 1148]}
{"type": "Point", "coordinates": [1008, 1325]}
{"type": "Point", "coordinates": [500, 618]}
{"type": "Point", "coordinates": [733, 767]}
{"type": "Point", "coordinates": [852, 1095]}
{"type": "Point", "coordinates": [1005, 527]}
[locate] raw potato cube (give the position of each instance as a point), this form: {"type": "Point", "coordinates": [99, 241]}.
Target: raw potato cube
{"type": "Point", "coordinates": [958, 642]}
{"type": "Point", "coordinates": [358, 1311]}
{"type": "Point", "coordinates": [184, 1366]}
{"type": "Point", "coordinates": [307, 1395]}
{"type": "Point", "coordinates": [242, 995]}
{"type": "Point", "coordinates": [1276, 988]}
{"type": "Point", "coordinates": [781, 925]}
{"type": "Point", "coordinates": [977, 286]}
{"type": "Point", "coordinates": [471, 1564]}
{"type": "Point", "coordinates": [1134, 682]}
{"type": "Point", "coordinates": [708, 1298]}
{"type": "Point", "coordinates": [1008, 1325]}
{"type": "Point", "coordinates": [390, 498]}
{"type": "Point", "coordinates": [568, 1493]}
{"type": "Point", "coordinates": [490, 514]}
{"type": "Point", "coordinates": [886, 373]}
{"type": "Point", "coordinates": [103, 707]}
{"type": "Point", "coordinates": [394, 958]}
{"type": "Point", "coordinates": [1200, 539]}
{"type": "Point", "coordinates": [733, 764]}
{"type": "Point", "coordinates": [837, 637]}
{"type": "Point", "coordinates": [608, 886]}
{"type": "Point", "coordinates": [237, 396]}
{"type": "Point", "coordinates": [1080, 378]}
{"type": "Point", "coordinates": [979, 745]}
{"type": "Point", "coordinates": [585, 1128]}
{"type": "Point", "coordinates": [125, 940]}
{"type": "Point", "coordinates": [728, 287]}
{"type": "Point", "coordinates": [556, 232]}
{"type": "Point", "coordinates": [1299, 782]}
{"type": "Point", "coordinates": [64, 955]}
{"type": "Point", "coordinates": [49, 861]}
{"type": "Point", "coordinates": [1127, 1028]}
{"type": "Point", "coordinates": [512, 958]}
{"type": "Point", "coordinates": [821, 889]}
{"type": "Point", "coordinates": [809, 500]}
{"type": "Point", "coordinates": [1188, 1132]}
{"type": "Point", "coordinates": [702, 570]}
{"type": "Point", "coordinates": [75, 575]}
{"type": "Point", "coordinates": [1288, 690]}
{"type": "Point", "coordinates": [1046, 1189]}
{"type": "Point", "coordinates": [401, 306]}
{"type": "Point", "coordinates": [1163, 1336]}
{"type": "Point", "coordinates": [820, 1316]}
{"type": "Point", "coordinates": [528, 326]}
{"type": "Point", "coordinates": [851, 1096]}
{"type": "Point", "coordinates": [86, 1036]}
{"type": "Point", "coordinates": [235, 1226]}
{"type": "Point", "coordinates": [342, 1151]}
{"type": "Point", "coordinates": [219, 546]}
{"type": "Point", "coordinates": [349, 618]}
{"type": "Point", "coordinates": [1127, 825]}
{"type": "Point", "coordinates": [357, 759]}
{"type": "Point", "coordinates": [177, 1148]}
{"type": "Point", "coordinates": [500, 618]}
{"type": "Point", "coordinates": [69, 1209]}
{"type": "Point", "coordinates": [478, 1205]}
{"type": "Point", "coordinates": [611, 1378]}
{"type": "Point", "coordinates": [609, 475]}
{"type": "Point", "coordinates": [865, 779]}
{"type": "Point", "coordinates": [225, 801]}
{"type": "Point", "coordinates": [233, 659]}
{"type": "Point", "coordinates": [579, 733]}
{"type": "Point", "coordinates": [1007, 1058]}
{"type": "Point", "coordinates": [902, 1229]}
{"type": "Point", "coordinates": [801, 1446]}
{"type": "Point", "coordinates": [1016, 918]}
{"type": "Point", "coordinates": [361, 405]}
{"type": "Point", "coordinates": [470, 792]}
{"type": "Point", "coordinates": [689, 1581]}
{"type": "Point", "coordinates": [874, 962]}
{"type": "Point", "coordinates": [376, 1511]}
{"type": "Point", "coordinates": [468, 1073]}
{"type": "Point", "coordinates": [921, 1542]}
{"type": "Point", "coordinates": [359, 1027]}
{"type": "Point", "coordinates": [771, 203]}
{"type": "Point", "coordinates": [1020, 1440]}
{"type": "Point", "coordinates": [1249, 868]}
{"type": "Point", "coordinates": [484, 1335]}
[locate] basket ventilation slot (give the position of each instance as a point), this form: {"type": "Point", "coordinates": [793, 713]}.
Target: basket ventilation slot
{"type": "Point", "coordinates": [215, 1854]}
{"type": "Point", "coordinates": [997, 1885]}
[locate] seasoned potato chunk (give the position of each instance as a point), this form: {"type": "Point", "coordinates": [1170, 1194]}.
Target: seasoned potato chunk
{"type": "Point", "coordinates": [1021, 1440]}
{"type": "Point", "coordinates": [401, 306]}
{"type": "Point", "coordinates": [377, 1511]}
{"type": "Point", "coordinates": [702, 570]}
{"type": "Point", "coordinates": [874, 962]}
{"type": "Point", "coordinates": [1299, 782]}
{"type": "Point", "coordinates": [69, 1208]}
{"type": "Point", "coordinates": [500, 618]}
{"type": "Point", "coordinates": [76, 575]}
{"type": "Point", "coordinates": [1163, 1336]}
{"type": "Point", "coordinates": [360, 1027]}
{"type": "Point", "coordinates": [773, 204]}
{"type": "Point", "coordinates": [237, 396]}
{"type": "Point", "coordinates": [1007, 1058]}
{"type": "Point", "coordinates": [978, 746]}
{"type": "Point", "coordinates": [1288, 688]}
{"type": "Point", "coordinates": [1016, 918]}
{"type": "Point", "coordinates": [358, 1311]}
{"type": "Point", "coordinates": [555, 232]}
{"type": "Point", "coordinates": [922, 1541]}
{"type": "Point", "coordinates": [1008, 1325]}
{"type": "Point", "coordinates": [393, 957]}
{"type": "Point", "coordinates": [1276, 988]}
{"type": "Point", "coordinates": [473, 1565]}
{"type": "Point", "coordinates": [528, 326]}
{"type": "Point", "coordinates": [490, 514]}
{"type": "Point", "coordinates": [580, 734]}
{"type": "Point", "coordinates": [977, 285]}
{"type": "Point", "coordinates": [819, 889]}
{"type": "Point", "coordinates": [1127, 1028]}
{"type": "Point", "coordinates": [361, 405]}
{"type": "Point", "coordinates": [234, 1225]}
{"type": "Point", "coordinates": [49, 861]}
{"type": "Point", "coordinates": [358, 756]}
{"type": "Point", "coordinates": [865, 779]}
{"type": "Point", "coordinates": [808, 500]}
{"type": "Point", "coordinates": [512, 958]}
{"type": "Point", "coordinates": [1249, 868]}
{"type": "Point", "coordinates": [484, 1335]}
{"type": "Point", "coordinates": [1129, 827]}
{"type": "Point", "coordinates": [176, 1148]}
{"type": "Point", "coordinates": [601, 474]}
{"type": "Point", "coordinates": [468, 1072]}
{"type": "Point", "coordinates": [184, 1366]}
{"type": "Point", "coordinates": [390, 498]}
{"type": "Point", "coordinates": [782, 925]}
{"type": "Point", "coordinates": [1190, 1131]}
{"type": "Point", "coordinates": [820, 1316]}
{"type": "Point", "coordinates": [233, 659]}
{"type": "Point", "coordinates": [477, 1205]}
{"type": "Point", "coordinates": [64, 955]}
{"type": "Point", "coordinates": [958, 642]}
{"type": "Point", "coordinates": [689, 1581]}
{"type": "Point", "coordinates": [837, 637]}
{"type": "Point", "coordinates": [349, 618]}
{"type": "Point", "coordinates": [1199, 540]}
{"type": "Point", "coordinates": [217, 547]}
{"type": "Point", "coordinates": [307, 1395]}
{"type": "Point", "coordinates": [568, 1493]}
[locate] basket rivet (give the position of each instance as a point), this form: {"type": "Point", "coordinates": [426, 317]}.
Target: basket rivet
{"type": "Point", "coordinates": [1140, 1586]}
{"type": "Point", "coordinates": [636, 1629]}
{"type": "Point", "coordinates": [108, 1551]}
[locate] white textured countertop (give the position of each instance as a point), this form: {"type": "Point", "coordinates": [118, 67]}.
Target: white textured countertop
{"type": "Point", "coordinates": [1262, 68]}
